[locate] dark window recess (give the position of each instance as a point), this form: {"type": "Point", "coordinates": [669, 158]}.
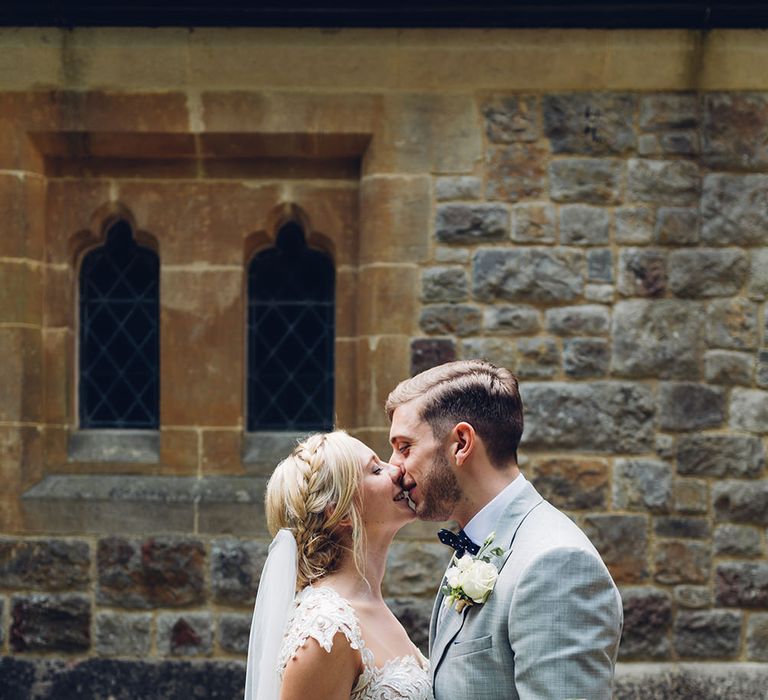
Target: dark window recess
{"type": "Point", "coordinates": [119, 334]}
{"type": "Point", "coordinates": [291, 292]}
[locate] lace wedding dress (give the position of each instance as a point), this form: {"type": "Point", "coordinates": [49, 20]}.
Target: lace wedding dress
{"type": "Point", "coordinates": [321, 613]}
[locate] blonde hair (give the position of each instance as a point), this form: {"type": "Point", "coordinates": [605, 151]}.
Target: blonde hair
{"type": "Point", "coordinates": [311, 492]}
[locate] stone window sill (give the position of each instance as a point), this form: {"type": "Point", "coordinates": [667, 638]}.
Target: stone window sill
{"type": "Point", "coordinates": [128, 446]}
{"type": "Point", "coordinates": [262, 451]}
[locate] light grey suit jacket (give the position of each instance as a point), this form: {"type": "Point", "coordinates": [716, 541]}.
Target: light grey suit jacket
{"type": "Point", "coordinates": [551, 626]}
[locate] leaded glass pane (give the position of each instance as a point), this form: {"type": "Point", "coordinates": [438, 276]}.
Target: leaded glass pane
{"type": "Point", "coordinates": [119, 334]}
{"type": "Point", "coordinates": [291, 292]}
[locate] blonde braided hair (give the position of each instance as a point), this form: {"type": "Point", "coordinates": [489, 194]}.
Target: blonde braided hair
{"type": "Point", "coordinates": [314, 492]}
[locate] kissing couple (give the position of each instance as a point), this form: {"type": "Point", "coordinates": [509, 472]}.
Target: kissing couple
{"type": "Point", "coordinates": [526, 609]}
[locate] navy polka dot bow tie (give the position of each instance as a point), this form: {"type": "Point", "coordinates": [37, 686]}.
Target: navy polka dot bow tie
{"type": "Point", "coordinates": [459, 542]}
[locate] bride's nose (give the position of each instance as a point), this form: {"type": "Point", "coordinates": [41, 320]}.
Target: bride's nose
{"type": "Point", "coordinates": [395, 473]}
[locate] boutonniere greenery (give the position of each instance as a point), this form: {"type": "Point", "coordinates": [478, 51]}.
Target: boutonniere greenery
{"type": "Point", "coordinates": [470, 579]}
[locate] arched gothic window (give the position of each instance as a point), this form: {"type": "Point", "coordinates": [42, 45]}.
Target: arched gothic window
{"type": "Point", "coordinates": [291, 308]}
{"type": "Point", "coordinates": [119, 334]}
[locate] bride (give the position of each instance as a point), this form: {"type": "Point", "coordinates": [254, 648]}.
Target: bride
{"type": "Point", "coordinates": [321, 628]}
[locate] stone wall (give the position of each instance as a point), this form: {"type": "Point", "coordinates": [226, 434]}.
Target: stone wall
{"type": "Point", "coordinates": [593, 217]}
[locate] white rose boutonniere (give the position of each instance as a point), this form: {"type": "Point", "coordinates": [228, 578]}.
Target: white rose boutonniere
{"type": "Point", "coordinates": [470, 579]}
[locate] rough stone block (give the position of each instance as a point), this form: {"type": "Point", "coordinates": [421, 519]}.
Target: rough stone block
{"type": "Point", "coordinates": [457, 187]}
{"type": "Point", "coordinates": [537, 357]}
{"type": "Point", "coordinates": [430, 352]}
{"type": "Point", "coordinates": [511, 119]}
{"type": "Point", "coordinates": [499, 351]}
{"type": "Point", "coordinates": [634, 225]}
{"type": "Point", "coordinates": [612, 417]}
{"type": "Point", "coordinates": [642, 272]}
{"type": "Point", "coordinates": [599, 293]}
{"type": "Point", "coordinates": [664, 111]}
{"type": "Point", "coordinates": [732, 324]}
{"type": "Point", "coordinates": [758, 274]}
{"type": "Point", "coordinates": [676, 526]}
{"type": "Point", "coordinates": [590, 123]}
{"type": "Point", "coordinates": [672, 182]}
{"type": "Point", "coordinates": [689, 406]}
{"type": "Point", "coordinates": [534, 223]}
{"type": "Point", "coordinates": [661, 338]}
{"type": "Point", "coordinates": [706, 273]}
{"type": "Point", "coordinates": [584, 225]}
{"type": "Point", "coordinates": [736, 456]}
{"type": "Point", "coordinates": [676, 226]}
{"type": "Point", "coordinates": [450, 319]}
{"type": "Point", "coordinates": [471, 223]}
{"type": "Point", "coordinates": [737, 541]}
{"type": "Point", "coordinates": [42, 622]}
{"type": "Point", "coordinates": [734, 128]}
{"type": "Point", "coordinates": [762, 369]}
{"type": "Point", "coordinates": [234, 632]}
{"type": "Point", "coordinates": [515, 172]}
{"type": "Point", "coordinates": [123, 634]}
{"type": "Point", "coordinates": [741, 501]}
{"type": "Point", "coordinates": [527, 274]}
{"type": "Point", "coordinates": [647, 622]}
{"type": "Point", "coordinates": [665, 445]}
{"type": "Point", "coordinates": [741, 584]}
{"type": "Point", "coordinates": [51, 565]}
{"type": "Point", "coordinates": [680, 143]}
{"type": "Point", "coordinates": [642, 484]}
{"type": "Point", "coordinates": [414, 615]}
{"type": "Point", "coordinates": [571, 483]}
{"type": "Point", "coordinates": [707, 634]}
{"type": "Point", "coordinates": [757, 637]}
{"type": "Point", "coordinates": [732, 210]}
{"type": "Point", "coordinates": [682, 562]}
{"type": "Point", "coordinates": [578, 320]}
{"type": "Point", "coordinates": [511, 320]}
{"type": "Point", "coordinates": [188, 634]}
{"type": "Point", "coordinates": [749, 410]}
{"type": "Point", "coordinates": [623, 544]}
{"type": "Point", "coordinates": [415, 567]}
{"type": "Point", "coordinates": [158, 572]}
{"type": "Point", "coordinates": [447, 254]}
{"type": "Point", "coordinates": [236, 569]}
{"type": "Point", "coordinates": [586, 357]}
{"type": "Point", "coordinates": [729, 368]}
{"type": "Point", "coordinates": [600, 265]}
{"type": "Point", "coordinates": [696, 597]}
{"type": "Point", "coordinates": [588, 180]}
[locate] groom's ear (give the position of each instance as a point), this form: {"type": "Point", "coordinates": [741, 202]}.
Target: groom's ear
{"type": "Point", "coordinates": [463, 442]}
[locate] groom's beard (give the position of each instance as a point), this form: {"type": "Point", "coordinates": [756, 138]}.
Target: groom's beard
{"type": "Point", "coordinates": [440, 491]}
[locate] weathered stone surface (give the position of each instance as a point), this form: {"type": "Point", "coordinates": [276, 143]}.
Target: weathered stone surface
{"type": "Point", "coordinates": [450, 319]}
{"type": "Point", "coordinates": [664, 111]}
{"type": "Point", "coordinates": [571, 483]}
{"type": "Point", "coordinates": [465, 223]}
{"type": "Point", "coordinates": [696, 597]}
{"type": "Point", "coordinates": [676, 526]}
{"type": "Point", "coordinates": [499, 351]}
{"type": "Point", "coordinates": [590, 123]}
{"type": "Point", "coordinates": [596, 416]}
{"type": "Point", "coordinates": [657, 339]}
{"type": "Point", "coordinates": [414, 614]}
{"type": "Point", "coordinates": [589, 180]}
{"type": "Point", "coordinates": [730, 368]}
{"type": "Point", "coordinates": [749, 410]}
{"type": "Point", "coordinates": [707, 633]}
{"type": "Point", "coordinates": [642, 272]}
{"type": "Point", "coordinates": [444, 284]}
{"type": "Point", "coordinates": [42, 622]}
{"type": "Point", "coordinates": [689, 406]}
{"type": "Point", "coordinates": [682, 562]}
{"type": "Point", "coordinates": [51, 565]}
{"type": "Point", "coordinates": [642, 484]}
{"type": "Point", "coordinates": [415, 567]}
{"type": "Point", "coordinates": [734, 128]}
{"type": "Point", "coordinates": [534, 223]}
{"type": "Point", "coordinates": [733, 211]}
{"type": "Point", "coordinates": [679, 143]}
{"type": "Point", "coordinates": [156, 572]}
{"type": "Point", "coordinates": [757, 637]}
{"type": "Point", "coordinates": [578, 320]}
{"type": "Point", "coordinates": [647, 622]}
{"type": "Point", "coordinates": [234, 632]}
{"type": "Point", "coordinates": [706, 273]}
{"type": "Point", "coordinates": [511, 320]}
{"type": "Point", "coordinates": [677, 226]}
{"type": "Point", "coordinates": [737, 541]}
{"type": "Point", "coordinates": [665, 445]}
{"type": "Point", "coordinates": [584, 225]}
{"type": "Point", "coordinates": [511, 118]}
{"type": "Point", "coordinates": [672, 182]}
{"type": "Point", "coordinates": [600, 265]}
{"type": "Point", "coordinates": [448, 254]}
{"type": "Point", "coordinates": [634, 225]}
{"type": "Point", "coordinates": [537, 357]}
{"type": "Point", "coordinates": [741, 584]}
{"type": "Point", "coordinates": [623, 544]}
{"type": "Point", "coordinates": [758, 274]}
{"type": "Point", "coordinates": [741, 501]}
{"type": "Point", "coordinates": [188, 634]}
{"type": "Point", "coordinates": [236, 569]}
{"type": "Point", "coordinates": [599, 293]}
{"type": "Point", "coordinates": [720, 455]}
{"type": "Point", "coordinates": [123, 634]}
{"type": "Point", "coordinates": [732, 324]}
{"type": "Point", "coordinates": [586, 357]}
{"type": "Point", "coordinates": [458, 187]}
{"type": "Point", "coordinates": [515, 172]}
{"type": "Point", "coordinates": [762, 369]}
{"type": "Point", "coordinates": [527, 274]}
{"type": "Point", "coordinates": [430, 352]}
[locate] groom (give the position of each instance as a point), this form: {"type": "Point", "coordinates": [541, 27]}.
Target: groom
{"type": "Point", "coordinates": [550, 628]}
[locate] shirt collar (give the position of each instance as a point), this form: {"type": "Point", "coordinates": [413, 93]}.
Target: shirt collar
{"type": "Point", "coordinates": [484, 521]}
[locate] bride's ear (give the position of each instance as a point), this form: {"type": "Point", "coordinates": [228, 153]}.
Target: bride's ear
{"type": "Point", "coordinates": [345, 522]}
{"type": "Point", "coordinates": [463, 444]}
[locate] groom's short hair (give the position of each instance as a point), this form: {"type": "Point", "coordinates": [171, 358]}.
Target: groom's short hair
{"type": "Point", "coordinates": [475, 391]}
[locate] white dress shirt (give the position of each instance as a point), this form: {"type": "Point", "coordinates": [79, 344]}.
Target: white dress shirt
{"type": "Point", "coordinates": [484, 522]}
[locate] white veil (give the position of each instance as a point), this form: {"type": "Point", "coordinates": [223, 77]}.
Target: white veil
{"type": "Point", "coordinates": [277, 588]}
